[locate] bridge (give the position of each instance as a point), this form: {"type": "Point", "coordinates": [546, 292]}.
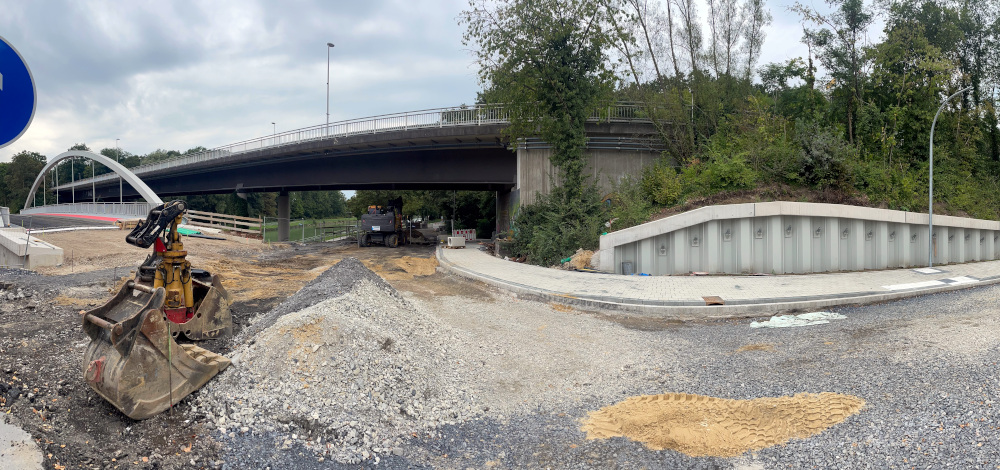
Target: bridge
{"type": "Point", "coordinates": [459, 148]}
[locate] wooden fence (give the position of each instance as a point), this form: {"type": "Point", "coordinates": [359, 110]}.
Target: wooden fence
{"type": "Point", "coordinates": [249, 227]}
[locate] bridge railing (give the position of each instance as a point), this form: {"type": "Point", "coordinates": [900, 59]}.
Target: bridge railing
{"type": "Point", "coordinates": [109, 209]}
{"type": "Point", "coordinates": [422, 119]}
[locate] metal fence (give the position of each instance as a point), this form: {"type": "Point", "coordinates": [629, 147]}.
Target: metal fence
{"type": "Point", "coordinates": [423, 119]}
{"type": "Point", "coordinates": [310, 230]}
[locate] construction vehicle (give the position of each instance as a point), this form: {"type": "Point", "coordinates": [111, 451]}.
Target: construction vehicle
{"type": "Point", "coordinates": [133, 360]}
{"type": "Point", "coordinates": [383, 224]}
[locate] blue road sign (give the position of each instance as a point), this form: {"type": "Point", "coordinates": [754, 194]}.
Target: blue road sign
{"type": "Point", "coordinates": [17, 94]}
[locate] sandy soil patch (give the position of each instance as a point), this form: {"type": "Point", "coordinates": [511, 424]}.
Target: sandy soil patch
{"type": "Point", "coordinates": [92, 250]}
{"type": "Point", "coordinates": [698, 425]}
{"type": "Point", "coordinates": [402, 269]}
{"type": "Point", "coordinates": [766, 347]}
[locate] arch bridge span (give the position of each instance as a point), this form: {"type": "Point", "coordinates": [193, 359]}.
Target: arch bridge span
{"type": "Point", "coordinates": [120, 208]}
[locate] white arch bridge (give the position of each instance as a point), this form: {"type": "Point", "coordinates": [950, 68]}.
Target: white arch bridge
{"type": "Point", "coordinates": [110, 209]}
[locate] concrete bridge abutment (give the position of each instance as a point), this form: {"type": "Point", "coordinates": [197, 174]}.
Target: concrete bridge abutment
{"type": "Point", "coordinates": [536, 175]}
{"type": "Point", "coordinates": [284, 214]}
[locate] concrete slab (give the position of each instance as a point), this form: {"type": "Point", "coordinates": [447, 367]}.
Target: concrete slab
{"type": "Point", "coordinates": [18, 249]}
{"type": "Point", "coordinates": [17, 450]}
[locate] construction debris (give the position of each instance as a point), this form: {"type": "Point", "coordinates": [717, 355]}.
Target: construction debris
{"type": "Point", "coordinates": [581, 260]}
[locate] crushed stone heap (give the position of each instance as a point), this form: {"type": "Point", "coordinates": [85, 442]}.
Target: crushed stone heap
{"type": "Point", "coordinates": [346, 366]}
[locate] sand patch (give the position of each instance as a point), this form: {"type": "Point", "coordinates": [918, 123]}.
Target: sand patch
{"type": "Point", "coordinates": [250, 280]}
{"type": "Point", "coordinates": [404, 268]}
{"type": "Point", "coordinates": [560, 307]}
{"type": "Point", "coordinates": [702, 426]}
{"type": "Point", "coordinates": [767, 347]}
{"type": "Point", "coordinates": [580, 260]}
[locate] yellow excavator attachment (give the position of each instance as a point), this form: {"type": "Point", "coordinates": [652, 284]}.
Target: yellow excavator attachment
{"type": "Point", "coordinates": [132, 359]}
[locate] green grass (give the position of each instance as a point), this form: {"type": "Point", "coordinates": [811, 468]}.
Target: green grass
{"type": "Point", "coordinates": [299, 229]}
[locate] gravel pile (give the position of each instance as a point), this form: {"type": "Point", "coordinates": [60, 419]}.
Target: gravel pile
{"type": "Point", "coordinates": [346, 368]}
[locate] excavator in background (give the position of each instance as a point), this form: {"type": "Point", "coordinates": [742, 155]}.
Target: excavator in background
{"type": "Point", "coordinates": [384, 224]}
{"type": "Point", "coordinates": [133, 360]}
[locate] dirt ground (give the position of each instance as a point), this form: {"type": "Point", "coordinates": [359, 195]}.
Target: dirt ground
{"type": "Point", "coordinates": [42, 345]}
{"type": "Point", "coordinates": [537, 370]}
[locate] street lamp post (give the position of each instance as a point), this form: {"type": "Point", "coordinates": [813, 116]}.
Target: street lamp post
{"type": "Point", "coordinates": [329, 46]}
{"type": "Point", "coordinates": [274, 133]}
{"type": "Point", "coordinates": [118, 154]}
{"type": "Point", "coordinates": [930, 180]}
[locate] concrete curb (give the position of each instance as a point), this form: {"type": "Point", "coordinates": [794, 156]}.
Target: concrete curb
{"type": "Point", "coordinates": [704, 312]}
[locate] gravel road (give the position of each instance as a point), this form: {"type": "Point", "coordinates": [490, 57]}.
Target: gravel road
{"type": "Point", "coordinates": [511, 379]}
{"type": "Point", "coordinates": [925, 367]}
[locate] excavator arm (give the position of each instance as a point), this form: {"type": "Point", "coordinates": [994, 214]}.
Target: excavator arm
{"type": "Point", "coordinates": [145, 233]}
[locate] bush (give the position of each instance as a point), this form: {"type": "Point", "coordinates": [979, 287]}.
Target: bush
{"type": "Point", "coordinates": [823, 157]}
{"type": "Point", "coordinates": [630, 204]}
{"type": "Point", "coordinates": [556, 225]}
{"type": "Point", "coordinates": [721, 174]}
{"type": "Point", "coordinates": [660, 184]}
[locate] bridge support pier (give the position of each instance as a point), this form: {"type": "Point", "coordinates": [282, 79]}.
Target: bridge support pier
{"type": "Point", "coordinates": [284, 212]}
{"type": "Point", "coordinates": [507, 203]}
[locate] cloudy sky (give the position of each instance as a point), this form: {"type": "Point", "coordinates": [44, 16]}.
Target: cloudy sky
{"type": "Point", "coordinates": [179, 74]}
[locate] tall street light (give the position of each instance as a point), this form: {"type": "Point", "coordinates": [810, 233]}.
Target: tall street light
{"type": "Point", "coordinates": [274, 133]}
{"type": "Point", "coordinates": [329, 46]}
{"type": "Point", "coordinates": [118, 155]}
{"type": "Point", "coordinates": [930, 179]}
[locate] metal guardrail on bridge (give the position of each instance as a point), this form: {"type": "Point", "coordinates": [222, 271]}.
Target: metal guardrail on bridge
{"type": "Point", "coordinates": [423, 119]}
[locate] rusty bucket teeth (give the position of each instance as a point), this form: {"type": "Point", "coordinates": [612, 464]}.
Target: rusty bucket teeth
{"type": "Point", "coordinates": [206, 357]}
{"type": "Point", "coordinates": [132, 360]}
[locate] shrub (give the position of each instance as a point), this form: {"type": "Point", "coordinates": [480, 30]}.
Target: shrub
{"type": "Point", "coordinates": [556, 225]}
{"type": "Point", "coordinates": [660, 184]}
{"type": "Point", "coordinates": [630, 204]}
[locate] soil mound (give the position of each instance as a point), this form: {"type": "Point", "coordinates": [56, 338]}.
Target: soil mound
{"type": "Point", "coordinates": [701, 426]}
{"type": "Point", "coordinates": [345, 367]}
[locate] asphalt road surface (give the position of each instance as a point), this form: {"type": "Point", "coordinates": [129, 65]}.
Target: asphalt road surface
{"type": "Point", "coordinates": [39, 222]}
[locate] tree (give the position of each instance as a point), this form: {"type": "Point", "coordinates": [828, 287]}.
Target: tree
{"type": "Point", "coordinates": [126, 158]}
{"type": "Point", "coordinates": [757, 18]}
{"type": "Point", "coordinates": [21, 173]}
{"type": "Point", "coordinates": [547, 61]}
{"type": "Point", "coordinates": [842, 50]}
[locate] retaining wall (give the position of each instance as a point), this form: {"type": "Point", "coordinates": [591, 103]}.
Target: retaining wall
{"type": "Point", "coordinates": [795, 237]}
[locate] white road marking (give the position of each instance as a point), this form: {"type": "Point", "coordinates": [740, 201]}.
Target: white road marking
{"type": "Point", "coordinates": [914, 285]}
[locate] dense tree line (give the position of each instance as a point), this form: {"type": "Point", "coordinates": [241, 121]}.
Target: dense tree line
{"type": "Point", "coordinates": [853, 116]}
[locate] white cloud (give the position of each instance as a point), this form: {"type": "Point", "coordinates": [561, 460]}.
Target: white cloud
{"type": "Point", "coordinates": [180, 74]}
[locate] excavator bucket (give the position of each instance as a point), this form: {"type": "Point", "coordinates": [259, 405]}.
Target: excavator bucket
{"type": "Point", "coordinates": [212, 317]}
{"type": "Point", "coordinates": [132, 359]}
